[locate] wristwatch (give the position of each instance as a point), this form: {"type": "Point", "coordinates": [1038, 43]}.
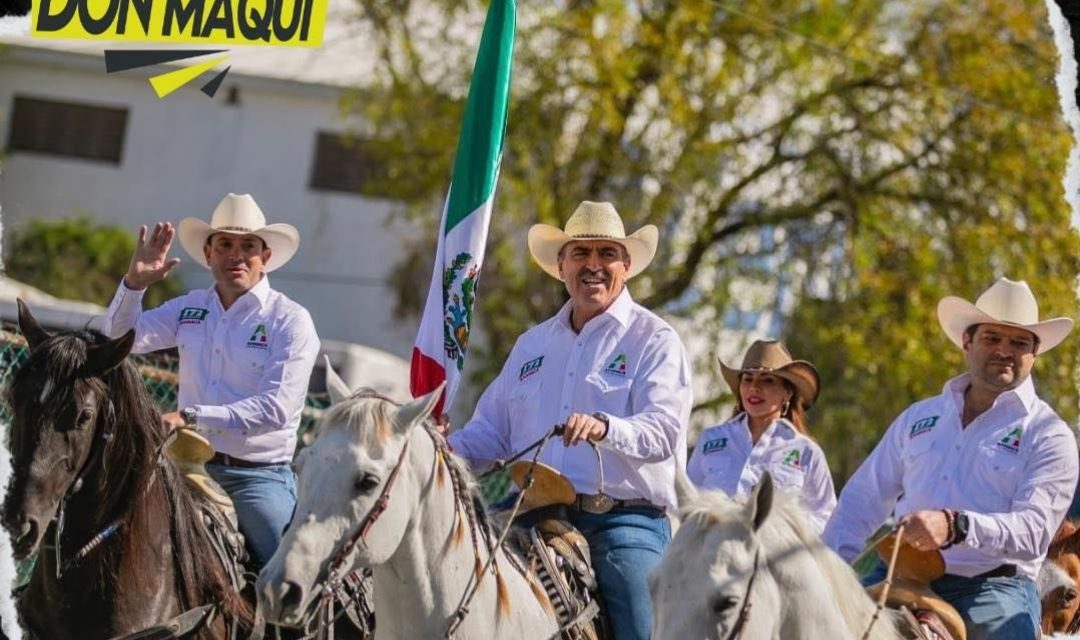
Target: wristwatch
{"type": "Point", "coordinates": [961, 528]}
{"type": "Point", "coordinates": [603, 417]}
{"type": "Point", "coordinates": [190, 418]}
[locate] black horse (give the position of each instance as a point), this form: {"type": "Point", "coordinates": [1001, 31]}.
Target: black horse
{"type": "Point", "coordinates": [123, 543]}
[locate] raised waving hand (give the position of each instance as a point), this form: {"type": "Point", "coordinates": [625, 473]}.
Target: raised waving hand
{"type": "Point", "coordinates": [149, 263]}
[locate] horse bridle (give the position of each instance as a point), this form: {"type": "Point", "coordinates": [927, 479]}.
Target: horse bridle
{"type": "Point", "coordinates": [368, 521]}
{"type": "Point", "coordinates": [744, 611]}
{"type": "Point", "coordinates": [76, 485]}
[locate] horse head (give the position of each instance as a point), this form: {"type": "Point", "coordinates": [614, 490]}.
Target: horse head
{"type": "Point", "coordinates": [1059, 581]}
{"type": "Point", "coordinates": [61, 406]}
{"type": "Point", "coordinates": [357, 495]}
{"type": "Point", "coordinates": [713, 568]}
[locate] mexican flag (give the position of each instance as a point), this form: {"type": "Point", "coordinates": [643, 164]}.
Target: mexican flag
{"type": "Point", "coordinates": [443, 340]}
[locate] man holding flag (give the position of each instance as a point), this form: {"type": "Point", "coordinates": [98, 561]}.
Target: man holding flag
{"type": "Point", "coordinates": [439, 353]}
{"type": "Point", "coordinates": [616, 375]}
{"type": "Point", "coordinates": [613, 372]}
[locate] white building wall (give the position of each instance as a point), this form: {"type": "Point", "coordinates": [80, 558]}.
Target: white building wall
{"type": "Point", "coordinates": [183, 153]}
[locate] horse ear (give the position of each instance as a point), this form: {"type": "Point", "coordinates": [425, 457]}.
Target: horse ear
{"type": "Point", "coordinates": [29, 326]}
{"type": "Point", "coordinates": [102, 357]}
{"type": "Point", "coordinates": [415, 411]}
{"type": "Point", "coordinates": [761, 501]}
{"type": "Point", "coordinates": [685, 491]}
{"type": "Point", "coordinates": [335, 386]}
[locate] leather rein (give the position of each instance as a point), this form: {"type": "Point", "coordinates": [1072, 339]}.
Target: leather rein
{"type": "Point", "coordinates": [744, 610]}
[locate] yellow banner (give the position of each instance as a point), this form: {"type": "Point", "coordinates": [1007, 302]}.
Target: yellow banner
{"type": "Point", "coordinates": [297, 23]}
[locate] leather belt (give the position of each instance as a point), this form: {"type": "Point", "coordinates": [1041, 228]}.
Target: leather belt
{"type": "Point", "coordinates": [226, 460]}
{"type": "Point", "coordinates": [600, 503]}
{"type": "Point", "coordinates": [1001, 571]}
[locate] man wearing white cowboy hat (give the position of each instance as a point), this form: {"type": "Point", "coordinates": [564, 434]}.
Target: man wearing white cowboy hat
{"type": "Point", "coordinates": [984, 472]}
{"type": "Point", "coordinates": [618, 377]}
{"type": "Point", "coordinates": [246, 354]}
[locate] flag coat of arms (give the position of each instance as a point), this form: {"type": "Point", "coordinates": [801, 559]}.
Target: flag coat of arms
{"type": "Point", "coordinates": [443, 339]}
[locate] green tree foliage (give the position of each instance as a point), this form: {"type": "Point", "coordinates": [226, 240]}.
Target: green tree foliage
{"type": "Point", "coordinates": [851, 161]}
{"type": "Point", "coordinates": [76, 259]}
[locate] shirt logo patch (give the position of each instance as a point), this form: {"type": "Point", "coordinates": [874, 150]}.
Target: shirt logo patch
{"type": "Point", "coordinates": [711, 446]}
{"type": "Point", "coordinates": [793, 458]}
{"type": "Point", "coordinates": [617, 366]}
{"type": "Point", "coordinates": [1011, 441]}
{"type": "Point", "coordinates": [923, 426]}
{"type": "Point", "coordinates": [258, 339]}
{"type": "Point", "coordinates": [192, 315]}
{"type": "Point", "coordinates": [530, 367]}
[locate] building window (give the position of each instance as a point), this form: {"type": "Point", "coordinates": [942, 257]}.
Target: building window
{"type": "Point", "coordinates": [345, 163]}
{"type": "Point", "coordinates": [74, 130]}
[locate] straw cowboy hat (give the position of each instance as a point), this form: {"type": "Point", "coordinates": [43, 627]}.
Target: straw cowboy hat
{"type": "Point", "coordinates": [240, 215]}
{"type": "Point", "coordinates": [592, 221]}
{"type": "Point", "coordinates": [1006, 302]}
{"type": "Point", "coordinates": [771, 356]}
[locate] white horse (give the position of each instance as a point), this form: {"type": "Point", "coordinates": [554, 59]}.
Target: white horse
{"type": "Point", "coordinates": [369, 451]}
{"type": "Point", "coordinates": [761, 563]}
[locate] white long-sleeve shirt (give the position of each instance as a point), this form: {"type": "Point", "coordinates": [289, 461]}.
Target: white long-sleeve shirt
{"type": "Point", "coordinates": [245, 370]}
{"type": "Point", "coordinates": [1013, 470]}
{"type": "Point", "coordinates": [626, 363]}
{"type": "Point", "coordinates": [725, 458]}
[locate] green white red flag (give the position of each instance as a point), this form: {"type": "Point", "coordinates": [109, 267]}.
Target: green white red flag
{"type": "Point", "coordinates": [443, 339]}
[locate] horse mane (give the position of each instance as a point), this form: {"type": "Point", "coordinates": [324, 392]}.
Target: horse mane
{"type": "Point", "coordinates": [370, 416]}
{"type": "Point", "coordinates": [129, 469]}
{"type": "Point", "coordinates": [788, 527]}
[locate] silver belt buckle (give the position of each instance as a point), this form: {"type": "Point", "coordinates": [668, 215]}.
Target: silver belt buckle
{"type": "Point", "coordinates": [596, 503]}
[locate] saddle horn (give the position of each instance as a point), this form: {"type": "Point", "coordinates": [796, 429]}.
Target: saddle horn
{"type": "Point", "coordinates": [29, 326]}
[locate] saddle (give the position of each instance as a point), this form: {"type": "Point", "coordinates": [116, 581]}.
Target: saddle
{"type": "Point", "coordinates": [558, 553]}
{"type": "Point", "coordinates": [189, 451]}
{"type": "Point", "coordinates": [910, 590]}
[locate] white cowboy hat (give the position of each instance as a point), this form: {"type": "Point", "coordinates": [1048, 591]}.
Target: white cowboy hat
{"type": "Point", "coordinates": [1006, 302]}
{"type": "Point", "coordinates": [592, 221]}
{"type": "Point", "coordinates": [240, 215]}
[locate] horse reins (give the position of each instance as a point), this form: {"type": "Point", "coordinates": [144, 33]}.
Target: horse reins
{"type": "Point", "coordinates": [883, 598]}
{"type": "Point", "coordinates": [112, 527]}
{"type": "Point", "coordinates": [373, 514]}
{"type": "Point", "coordinates": [744, 610]}
{"type": "Point", "coordinates": [474, 582]}
{"type": "Point", "coordinates": [75, 487]}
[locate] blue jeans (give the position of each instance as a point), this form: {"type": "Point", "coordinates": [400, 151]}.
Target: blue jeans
{"type": "Point", "coordinates": [992, 608]}
{"type": "Point", "coordinates": [264, 498]}
{"type": "Point", "coordinates": [625, 545]}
